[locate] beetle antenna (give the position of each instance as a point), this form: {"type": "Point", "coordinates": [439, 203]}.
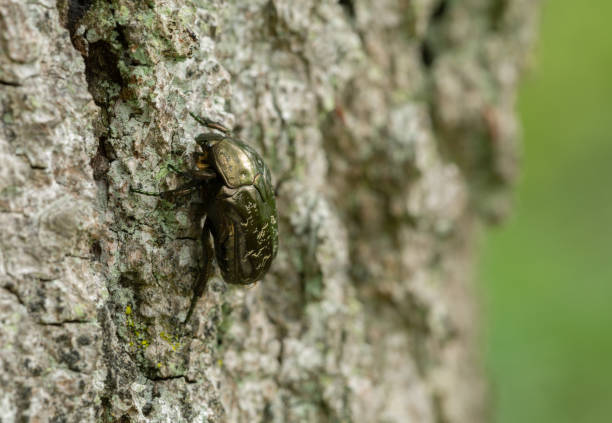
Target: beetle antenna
{"type": "Point", "coordinates": [209, 123]}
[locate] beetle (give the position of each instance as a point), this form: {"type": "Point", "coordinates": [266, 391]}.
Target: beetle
{"type": "Point", "coordinates": [240, 213]}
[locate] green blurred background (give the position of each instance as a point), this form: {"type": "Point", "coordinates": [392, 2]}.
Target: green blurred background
{"type": "Point", "coordinates": [547, 273]}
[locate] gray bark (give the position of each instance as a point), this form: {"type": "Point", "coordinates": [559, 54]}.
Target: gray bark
{"type": "Point", "coordinates": [390, 126]}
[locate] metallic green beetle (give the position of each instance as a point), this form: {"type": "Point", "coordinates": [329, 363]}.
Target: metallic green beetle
{"type": "Point", "coordinates": [241, 210]}
{"type": "Point", "coordinates": [242, 218]}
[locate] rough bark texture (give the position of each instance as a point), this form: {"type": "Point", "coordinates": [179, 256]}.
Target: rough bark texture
{"type": "Point", "coordinates": [389, 126]}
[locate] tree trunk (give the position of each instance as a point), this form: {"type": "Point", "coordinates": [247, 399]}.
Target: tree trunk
{"type": "Point", "coordinates": [388, 126]}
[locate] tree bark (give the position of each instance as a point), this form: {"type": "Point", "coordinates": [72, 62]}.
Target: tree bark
{"type": "Point", "coordinates": [389, 128]}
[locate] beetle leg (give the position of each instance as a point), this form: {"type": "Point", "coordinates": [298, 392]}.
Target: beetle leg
{"type": "Point", "coordinates": [210, 123]}
{"type": "Point", "coordinates": [206, 273]}
{"type": "Point", "coordinates": [139, 191]}
{"type": "Point", "coordinates": [179, 172]}
{"type": "Point", "coordinates": [280, 183]}
{"type": "Point", "coordinates": [184, 189]}
{"type": "Point", "coordinates": [194, 176]}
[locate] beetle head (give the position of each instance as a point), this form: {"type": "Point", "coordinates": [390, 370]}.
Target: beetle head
{"type": "Point", "coordinates": [206, 141]}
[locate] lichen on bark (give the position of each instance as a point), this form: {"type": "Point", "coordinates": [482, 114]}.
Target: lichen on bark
{"type": "Point", "coordinates": [389, 128]}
